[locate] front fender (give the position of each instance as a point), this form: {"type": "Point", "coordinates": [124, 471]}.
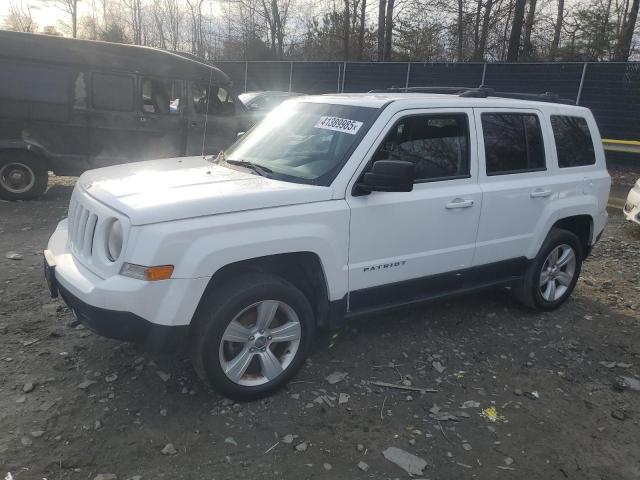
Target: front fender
{"type": "Point", "coordinates": [200, 247]}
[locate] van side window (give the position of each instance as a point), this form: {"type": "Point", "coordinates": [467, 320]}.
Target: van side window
{"type": "Point", "coordinates": [214, 101]}
{"type": "Point", "coordinates": [438, 145]}
{"type": "Point", "coordinates": [573, 141]}
{"type": "Point", "coordinates": [161, 96]}
{"type": "Point", "coordinates": [112, 92]}
{"type": "Point", "coordinates": [513, 143]}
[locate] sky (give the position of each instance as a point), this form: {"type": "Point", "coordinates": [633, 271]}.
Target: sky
{"type": "Point", "coordinates": [45, 13]}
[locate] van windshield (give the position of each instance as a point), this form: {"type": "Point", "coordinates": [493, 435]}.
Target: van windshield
{"type": "Point", "coordinates": [304, 142]}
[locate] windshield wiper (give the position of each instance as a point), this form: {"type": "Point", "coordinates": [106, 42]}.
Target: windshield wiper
{"type": "Point", "coordinates": [259, 169]}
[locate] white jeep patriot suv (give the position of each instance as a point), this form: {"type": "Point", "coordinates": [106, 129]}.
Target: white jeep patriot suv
{"type": "Point", "coordinates": [333, 206]}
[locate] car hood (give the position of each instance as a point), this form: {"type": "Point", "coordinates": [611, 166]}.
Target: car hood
{"type": "Point", "coordinates": [178, 188]}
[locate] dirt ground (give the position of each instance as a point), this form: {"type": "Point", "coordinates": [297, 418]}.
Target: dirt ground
{"type": "Point", "coordinates": [75, 406]}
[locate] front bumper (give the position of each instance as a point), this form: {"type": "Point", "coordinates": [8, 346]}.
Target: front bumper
{"type": "Point", "coordinates": [631, 209]}
{"type": "Point", "coordinates": [157, 314]}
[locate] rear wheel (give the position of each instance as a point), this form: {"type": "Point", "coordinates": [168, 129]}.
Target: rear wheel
{"type": "Point", "coordinates": [23, 175]}
{"type": "Point", "coordinates": [553, 274]}
{"type": "Point", "coordinates": [252, 336]}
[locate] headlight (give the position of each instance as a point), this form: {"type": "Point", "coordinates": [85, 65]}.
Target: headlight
{"type": "Point", "coordinates": [114, 241]}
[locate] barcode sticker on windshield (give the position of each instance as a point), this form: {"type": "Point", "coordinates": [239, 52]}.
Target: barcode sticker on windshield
{"type": "Point", "coordinates": [343, 125]}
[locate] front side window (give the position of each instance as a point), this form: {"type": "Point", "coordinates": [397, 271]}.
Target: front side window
{"type": "Point", "coordinates": [573, 141]}
{"type": "Point", "coordinates": [304, 142]}
{"type": "Point", "coordinates": [513, 143]}
{"type": "Point", "coordinates": [112, 92]}
{"type": "Point", "coordinates": [212, 100]}
{"type": "Point", "coordinates": [438, 145]}
{"type": "Point", "coordinates": [161, 97]}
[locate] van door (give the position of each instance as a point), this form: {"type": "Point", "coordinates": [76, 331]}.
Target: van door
{"type": "Point", "coordinates": [408, 246]}
{"type": "Point", "coordinates": [516, 179]}
{"type": "Point", "coordinates": [161, 125]}
{"type": "Point", "coordinates": [212, 109]}
{"type": "Point", "coordinates": [113, 126]}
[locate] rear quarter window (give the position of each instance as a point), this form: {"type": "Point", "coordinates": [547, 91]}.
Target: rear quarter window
{"type": "Point", "coordinates": [574, 144]}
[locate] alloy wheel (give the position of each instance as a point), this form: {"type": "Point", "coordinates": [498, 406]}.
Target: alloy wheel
{"type": "Point", "coordinates": [557, 272]}
{"type": "Point", "coordinates": [260, 343]}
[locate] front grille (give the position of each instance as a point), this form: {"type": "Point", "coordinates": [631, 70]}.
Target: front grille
{"type": "Point", "coordinates": [82, 226]}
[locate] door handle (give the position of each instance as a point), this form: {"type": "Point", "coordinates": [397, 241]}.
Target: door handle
{"type": "Point", "coordinates": [459, 203]}
{"type": "Point", "coordinates": [541, 193]}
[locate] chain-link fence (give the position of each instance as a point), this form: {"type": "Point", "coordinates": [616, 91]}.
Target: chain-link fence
{"type": "Point", "coordinates": [610, 90]}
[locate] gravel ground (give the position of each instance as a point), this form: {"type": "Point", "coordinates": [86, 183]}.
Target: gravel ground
{"type": "Point", "coordinates": [517, 395]}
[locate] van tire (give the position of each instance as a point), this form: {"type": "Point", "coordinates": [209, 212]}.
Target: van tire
{"type": "Point", "coordinates": [536, 294]}
{"type": "Point", "coordinates": [23, 175]}
{"type": "Point", "coordinates": [210, 353]}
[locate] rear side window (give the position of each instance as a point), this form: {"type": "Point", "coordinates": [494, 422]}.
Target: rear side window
{"type": "Point", "coordinates": [438, 145]}
{"type": "Point", "coordinates": [112, 92]}
{"type": "Point", "coordinates": [573, 141]}
{"type": "Point", "coordinates": [513, 143]}
{"type": "Point", "coordinates": [212, 101]}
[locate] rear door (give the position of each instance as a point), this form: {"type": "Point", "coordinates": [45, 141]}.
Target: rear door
{"type": "Point", "coordinates": [517, 183]}
{"type": "Point", "coordinates": [212, 120]}
{"type": "Point", "coordinates": [406, 246]}
{"type": "Point", "coordinates": [161, 124]}
{"type": "Point", "coordinates": [113, 124]}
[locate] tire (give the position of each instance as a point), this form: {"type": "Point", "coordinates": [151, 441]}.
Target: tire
{"type": "Point", "coordinates": [533, 291]}
{"type": "Point", "coordinates": [239, 302]}
{"type": "Point", "coordinates": [23, 175]}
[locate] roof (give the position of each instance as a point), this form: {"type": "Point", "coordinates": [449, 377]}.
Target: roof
{"type": "Point", "coordinates": [101, 55]}
{"type": "Point", "coordinates": [431, 100]}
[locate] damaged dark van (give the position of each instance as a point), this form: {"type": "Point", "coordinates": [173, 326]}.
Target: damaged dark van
{"type": "Point", "coordinates": [70, 105]}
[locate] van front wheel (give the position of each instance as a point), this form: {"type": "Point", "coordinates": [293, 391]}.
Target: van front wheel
{"type": "Point", "coordinates": [23, 175]}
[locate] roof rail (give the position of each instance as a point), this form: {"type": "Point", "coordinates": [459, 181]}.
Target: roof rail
{"type": "Point", "coordinates": [482, 92]}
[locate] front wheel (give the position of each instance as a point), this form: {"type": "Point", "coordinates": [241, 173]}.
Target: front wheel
{"type": "Point", "coordinates": [252, 336]}
{"type": "Point", "coordinates": [23, 175]}
{"type": "Point", "coordinates": [553, 274]}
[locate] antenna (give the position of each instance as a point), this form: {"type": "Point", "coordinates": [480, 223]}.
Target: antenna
{"type": "Point", "coordinates": [206, 115]}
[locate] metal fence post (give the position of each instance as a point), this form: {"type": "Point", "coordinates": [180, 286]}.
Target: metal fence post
{"type": "Point", "coordinates": [290, 75]}
{"type": "Point", "coordinates": [246, 67]}
{"type": "Point", "coordinates": [584, 72]}
{"type": "Point", "coordinates": [344, 75]}
{"type": "Point", "coordinates": [406, 83]}
{"type": "Point", "coordinates": [338, 88]}
{"type": "Point", "coordinates": [484, 74]}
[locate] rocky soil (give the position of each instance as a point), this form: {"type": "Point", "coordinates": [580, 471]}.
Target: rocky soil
{"type": "Point", "coordinates": [491, 391]}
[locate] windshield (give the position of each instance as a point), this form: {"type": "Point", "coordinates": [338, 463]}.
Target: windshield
{"type": "Point", "coordinates": [247, 97]}
{"type": "Point", "coordinates": [304, 142]}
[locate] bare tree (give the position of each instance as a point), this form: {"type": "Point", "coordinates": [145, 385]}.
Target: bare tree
{"type": "Point", "coordinates": [347, 23]}
{"type": "Point", "coordinates": [480, 47]}
{"type": "Point", "coordinates": [388, 34]}
{"type": "Point", "coordinates": [623, 47]}
{"type": "Point", "coordinates": [19, 19]}
{"type": "Point", "coordinates": [557, 30]}
{"type": "Point", "coordinates": [460, 29]}
{"type": "Point", "coordinates": [516, 31]}
{"type": "Point", "coordinates": [382, 6]}
{"type": "Point", "coordinates": [362, 28]}
{"type": "Point", "coordinates": [70, 7]}
{"type": "Point", "coordinates": [527, 48]}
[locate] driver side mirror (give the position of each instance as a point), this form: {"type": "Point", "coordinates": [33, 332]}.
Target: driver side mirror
{"type": "Point", "coordinates": [388, 176]}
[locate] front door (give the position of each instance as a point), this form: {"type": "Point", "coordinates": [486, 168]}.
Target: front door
{"type": "Point", "coordinates": [212, 123]}
{"type": "Point", "coordinates": [407, 246]}
{"type": "Point", "coordinates": [161, 125]}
